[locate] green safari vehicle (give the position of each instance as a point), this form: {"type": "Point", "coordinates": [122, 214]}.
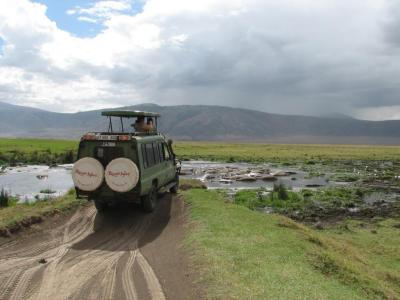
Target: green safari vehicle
{"type": "Point", "coordinates": [126, 165]}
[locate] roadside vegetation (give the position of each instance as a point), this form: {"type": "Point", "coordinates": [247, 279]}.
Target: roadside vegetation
{"type": "Point", "coordinates": [325, 205]}
{"type": "Point", "coordinates": [187, 184]}
{"type": "Point", "coordinates": [245, 254]}
{"type": "Point", "coordinates": [15, 216]}
{"type": "Point", "coordinates": [5, 199]}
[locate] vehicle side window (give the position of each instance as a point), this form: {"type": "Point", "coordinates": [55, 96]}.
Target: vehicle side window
{"type": "Point", "coordinates": [145, 164]}
{"type": "Point", "coordinates": [150, 155]}
{"type": "Point", "coordinates": [156, 153]}
{"type": "Point", "coordinates": [166, 152]}
{"type": "Point", "coordinates": [160, 152]}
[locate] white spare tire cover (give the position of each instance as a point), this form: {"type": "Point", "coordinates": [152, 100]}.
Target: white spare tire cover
{"type": "Point", "coordinates": [122, 175]}
{"type": "Point", "coordinates": [87, 174]}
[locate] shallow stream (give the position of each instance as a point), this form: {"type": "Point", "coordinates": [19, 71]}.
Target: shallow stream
{"type": "Point", "coordinates": [35, 181]}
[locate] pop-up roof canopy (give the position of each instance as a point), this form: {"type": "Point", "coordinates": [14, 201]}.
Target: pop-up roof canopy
{"type": "Point", "coordinates": [129, 113]}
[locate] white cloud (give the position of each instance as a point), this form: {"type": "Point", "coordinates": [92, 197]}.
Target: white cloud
{"type": "Point", "coordinates": [379, 113]}
{"type": "Point", "coordinates": [87, 19]}
{"type": "Point", "coordinates": [300, 56]}
{"type": "Point", "coordinates": [101, 10]}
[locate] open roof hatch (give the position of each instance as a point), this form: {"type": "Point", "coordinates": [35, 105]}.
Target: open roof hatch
{"type": "Point", "coordinates": [129, 114]}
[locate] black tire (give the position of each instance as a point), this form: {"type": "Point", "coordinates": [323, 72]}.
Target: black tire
{"type": "Point", "coordinates": [149, 201]}
{"type": "Point", "coordinates": [175, 188]}
{"type": "Point", "coordinates": [100, 206]}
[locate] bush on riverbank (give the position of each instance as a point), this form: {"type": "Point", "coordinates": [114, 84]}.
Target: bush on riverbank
{"type": "Point", "coordinates": [4, 198]}
{"type": "Point", "coordinates": [327, 205]}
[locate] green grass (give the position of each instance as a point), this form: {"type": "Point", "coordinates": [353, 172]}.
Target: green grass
{"type": "Point", "coordinates": [40, 145]}
{"type": "Point", "coordinates": [281, 153]}
{"type": "Point", "coordinates": [12, 215]}
{"type": "Point", "coordinates": [14, 151]}
{"type": "Point", "coordinates": [243, 254]}
{"type": "Point", "coordinates": [185, 184]}
{"type": "Point", "coordinates": [29, 150]}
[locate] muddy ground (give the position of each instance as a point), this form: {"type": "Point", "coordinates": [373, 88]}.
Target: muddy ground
{"type": "Point", "coordinates": [123, 254]}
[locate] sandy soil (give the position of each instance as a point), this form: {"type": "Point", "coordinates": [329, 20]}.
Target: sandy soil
{"type": "Point", "coordinates": [122, 254]}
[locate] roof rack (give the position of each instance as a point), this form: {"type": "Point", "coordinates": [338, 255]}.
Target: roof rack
{"type": "Point", "coordinates": [129, 113]}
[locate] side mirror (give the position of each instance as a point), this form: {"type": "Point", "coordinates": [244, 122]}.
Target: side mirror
{"type": "Point", "coordinates": [170, 142]}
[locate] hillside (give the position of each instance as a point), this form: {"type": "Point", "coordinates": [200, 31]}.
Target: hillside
{"type": "Point", "coordinates": [196, 122]}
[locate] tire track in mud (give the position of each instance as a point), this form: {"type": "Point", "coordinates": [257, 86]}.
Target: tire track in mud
{"type": "Point", "coordinates": [25, 260]}
{"type": "Point", "coordinates": [11, 281]}
{"type": "Point", "coordinates": [91, 256]}
{"type": "Point", "coordinates": [99, 261]}
{"type": "Point", "coordinates": [127, 278]}
{"type": "Point", "coordinates": [151, 278]}
{"type": "Point", "coordinates": [21, 289]}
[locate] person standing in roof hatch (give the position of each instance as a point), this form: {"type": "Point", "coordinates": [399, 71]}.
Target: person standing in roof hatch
{"type": "Point", "coordinates": [139, 124]}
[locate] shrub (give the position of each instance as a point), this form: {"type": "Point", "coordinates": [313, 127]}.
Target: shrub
{"type": "Point", "coordinates": [282, 191]}
{"type": "Point", "coordinates": [4, 198]}
{"type": "Point", "coordinates": [69, 157]}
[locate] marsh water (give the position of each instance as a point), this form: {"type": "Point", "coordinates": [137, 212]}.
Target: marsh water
{"type": "Point", "coordinates": [250, 176]}
{"type": "Point", "coordinates": [33, 182]}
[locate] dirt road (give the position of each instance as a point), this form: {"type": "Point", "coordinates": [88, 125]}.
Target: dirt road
{"type": "Point", "coordinates": [123, 254]}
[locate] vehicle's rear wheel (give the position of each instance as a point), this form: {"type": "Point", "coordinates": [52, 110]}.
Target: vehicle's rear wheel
{"type": "Point", "coordinates": [100, 206]}
{"type": "Point", "coordinates": [149, 201]}
{"type": "Point", "coordinates": [175, 188]}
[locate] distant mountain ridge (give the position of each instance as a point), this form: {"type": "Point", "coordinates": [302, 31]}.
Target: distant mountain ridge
{"type": "Point", "coordinates": [205, 123]}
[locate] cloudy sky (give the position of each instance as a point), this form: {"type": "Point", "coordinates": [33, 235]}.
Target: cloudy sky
{"type": "Point", "coordinates": [288, 56]}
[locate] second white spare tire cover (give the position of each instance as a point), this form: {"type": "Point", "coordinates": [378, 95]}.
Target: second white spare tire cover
{"type": "Point", "coordinates": [122, 175]}
{"type": "Point", "coordinates": [87, 174]}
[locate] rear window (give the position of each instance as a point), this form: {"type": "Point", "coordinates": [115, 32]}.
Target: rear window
{"type": "Point", "coordinates": [107, 154]}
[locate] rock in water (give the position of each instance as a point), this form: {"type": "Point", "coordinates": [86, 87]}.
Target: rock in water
{"type": "Point", "coordinates": [269, 178]}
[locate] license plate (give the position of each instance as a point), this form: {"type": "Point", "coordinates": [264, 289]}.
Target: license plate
{"type": "Point", "coordinates": [107, 137]}
{"type": "Point", "coordinates": [108, 144]}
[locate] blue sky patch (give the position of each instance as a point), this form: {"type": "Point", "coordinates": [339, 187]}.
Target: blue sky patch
{"type": "Point", "coordinates": [57, 12]}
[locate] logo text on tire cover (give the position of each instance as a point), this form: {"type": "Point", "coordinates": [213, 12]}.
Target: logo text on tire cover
{"type": "Point", "coordinates": [119, 174]}
{"type": "Point", "coordinates": [84, 173]}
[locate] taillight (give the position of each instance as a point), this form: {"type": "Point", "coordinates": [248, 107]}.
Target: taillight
{"type": "Point", "coordinates": [124, 137]}
{"type": "Point", "coordinates": [89, 137]}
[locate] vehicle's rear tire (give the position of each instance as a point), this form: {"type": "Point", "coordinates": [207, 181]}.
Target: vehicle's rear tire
{"type": "Point", "coordinates": [100, 206]}
{"type": "Point", "coordinates": [175, 188]}
{"type": "Point", "coordinates": [149, 201]}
